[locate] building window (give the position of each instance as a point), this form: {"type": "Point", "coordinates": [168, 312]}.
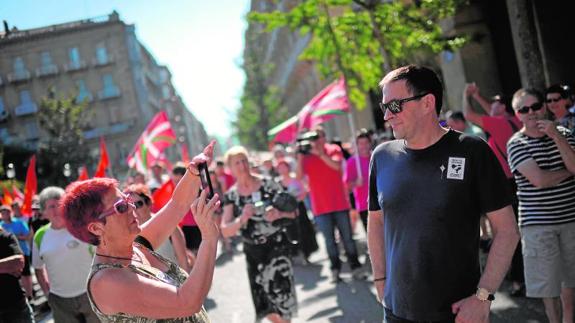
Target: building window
{"type": "Point", "coordinates": [20, 71]}
{"type": "Point", "coordinates": [84, 94]}
{"type": "Point", "coordinates": [27, 105]}
{"type": "Point", "coordinates": [101, 54]}
{"type": "Point", "coordinates": [109, 90]}
{"type": "Point", "coordinates": [47, 67]}
{"type": "Point", "coordinates": [75, 62]}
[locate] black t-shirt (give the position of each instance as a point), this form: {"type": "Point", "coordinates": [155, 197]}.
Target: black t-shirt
{"type": "Point", "coordinates": [432, 200]}
{"type": "Point", "coordinates": [36, 223]}
{"type": "Point", "coordinates": [11, 296]}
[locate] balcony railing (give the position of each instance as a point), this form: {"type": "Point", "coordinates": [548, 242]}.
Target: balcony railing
{"type": "Point", "coordinates": [25, 109]}
{"type": "Point", "coordinates": [103, 62]}
{"type": "Point", "coordinates": [75, 66]}
{"type": "Point", "coordinates": [19, 76]}
{"type": "Point", "coordinates": [109, 93]}
{"type": "Point", "coordinates": [47, 70]}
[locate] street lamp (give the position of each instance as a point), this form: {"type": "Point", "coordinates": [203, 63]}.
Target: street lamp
{"type": "Point", "coordinates": [11, 171]}
{"type": "Point", "coordinates": [67, 171]}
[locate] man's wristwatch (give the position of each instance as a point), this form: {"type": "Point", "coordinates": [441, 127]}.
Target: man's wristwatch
{"type": "Point", "coordinates": [483, 295]}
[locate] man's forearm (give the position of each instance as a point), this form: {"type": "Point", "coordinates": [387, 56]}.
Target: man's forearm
{"type": "Point", "coordinates": [10, 264]}
{"type": "Point", "coordinates": [505, 239]}
{"type": "Point", "coordinates": [376, 244]}
{"type": "Point", "coordinates": [43, 281]}
{"type": "Point", "coordinates": [334, 164]}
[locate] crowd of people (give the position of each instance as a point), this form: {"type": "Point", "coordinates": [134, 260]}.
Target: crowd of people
{"type": "Point", "coordinates": [497, 178]}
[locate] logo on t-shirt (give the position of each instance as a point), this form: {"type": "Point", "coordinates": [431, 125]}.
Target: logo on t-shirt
{"type": "Point", "coordinates": [456, 168]}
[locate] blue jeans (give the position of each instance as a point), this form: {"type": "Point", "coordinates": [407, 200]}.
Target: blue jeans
{"type": "Point", "coordinates": [327, 222]}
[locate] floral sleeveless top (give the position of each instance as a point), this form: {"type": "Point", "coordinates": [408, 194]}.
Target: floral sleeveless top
{"type": "Point", "coordinates": [174, 276]}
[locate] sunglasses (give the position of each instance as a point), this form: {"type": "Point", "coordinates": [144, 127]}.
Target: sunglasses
{"type": "Point", "coordinates": [139, 204]}
{"type": "Point", "coordinates": [120, 207]}
{"type": "Point", "coordinates": [534, 107]}
{"type": "Point", "coordinates": [554, 100]}
{"type": "Point", "coordinates": [396, 106]}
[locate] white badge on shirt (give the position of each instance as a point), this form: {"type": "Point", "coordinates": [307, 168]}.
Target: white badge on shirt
{"type": "Point", "coordinates": [256, 196]}
{"type": "Point", "coordinates": [456, 168]}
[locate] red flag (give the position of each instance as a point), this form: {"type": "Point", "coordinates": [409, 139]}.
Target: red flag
{"type": "Point", "coordinates": [185, 154]}
{"type": "Point", "coordinates": [83, 174]}
{"type": "Point", "coordinates": [285, 132]}
{"type": "Point", "coordinates": [152, 142]}
{"type": "Point", "coordinates": [162, 195]}
{"type": "Point", "coordinates": [30, 187]}
{"type": "Point", "coordinates": [7, 199]}
{"type": "Point", "coordinates": [104, 161]}
{"type": "Point", "coordinates": [328, 103]}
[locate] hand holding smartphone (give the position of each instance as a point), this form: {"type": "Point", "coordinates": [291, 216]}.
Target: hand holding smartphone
{"type": "Point", "coordinates": [205, 180]}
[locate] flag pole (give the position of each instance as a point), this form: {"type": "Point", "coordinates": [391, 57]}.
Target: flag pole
{"type": "Point", "coordinates": [354, 143]}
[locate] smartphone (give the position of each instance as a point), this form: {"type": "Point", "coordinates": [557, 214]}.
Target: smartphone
{"type": "Point", "coordinates": [205, 179]}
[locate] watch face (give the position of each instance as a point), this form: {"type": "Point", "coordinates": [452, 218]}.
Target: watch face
{"type": "Point", "coordinates": [483, 295]}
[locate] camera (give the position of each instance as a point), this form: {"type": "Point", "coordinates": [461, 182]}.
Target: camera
{"type": "Point", "coordinates": [303, 142]}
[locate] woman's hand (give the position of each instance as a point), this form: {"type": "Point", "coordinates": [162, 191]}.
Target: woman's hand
{"type": "Point", "coordinates": [273, 214]}
{"type": "Point", "coordinates": [203, 211]}
{"type": "Point", "coordinates": [205, 156]}
{"type": "Point", "coordinates": [247, 212]}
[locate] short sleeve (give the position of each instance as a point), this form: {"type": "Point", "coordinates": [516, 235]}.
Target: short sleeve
{"type": "Point", "coordinates": [37, 262]}
{"type": "Point", "coordinates": [493, 188]}
{"type": "Point", "coordinates": [517, 153]}
{"type": "Point", "coordinates": [373, 203]}
{"type": "Point", "coordinates": [11, 242]}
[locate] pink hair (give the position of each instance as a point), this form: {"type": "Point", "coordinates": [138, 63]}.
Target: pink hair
{"type": "Point", "coordinates": [82, 204]}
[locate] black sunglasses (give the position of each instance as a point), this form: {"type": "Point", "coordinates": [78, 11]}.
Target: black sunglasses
{"type": "Point", "coordinates": [554, 100]}
{"type": "Point", "coordinates": [534, 107]}
{"type": "Point", "coordinates": [396, 106]}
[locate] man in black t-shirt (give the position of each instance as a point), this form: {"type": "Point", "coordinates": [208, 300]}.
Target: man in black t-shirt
{"type": "Point", "coordinates": [427, 191]}
{"type": "Point", "coordinates": [13, 304]}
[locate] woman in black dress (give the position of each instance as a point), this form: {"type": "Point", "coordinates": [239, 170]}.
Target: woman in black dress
{"type": "Point", "coordinates": [248, 210]}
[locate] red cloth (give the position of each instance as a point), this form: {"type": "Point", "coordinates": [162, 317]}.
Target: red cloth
{"type": "Point", "coordinates": [188, 220]}
{"type": "Point", "coordinates": [30, 187]}
{"type": "Point", "coordinates": [83, 174]}
{"type": "Point", "coordinates": [162, 195]}
{"type": "Point", "coordinates": [500, 130]}
{"type": "Point", "coordinates": [327, 190]}
{"type": "Point", "coordinates": [104, 160]}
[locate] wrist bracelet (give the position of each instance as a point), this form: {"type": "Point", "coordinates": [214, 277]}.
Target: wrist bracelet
{"type": "Point", "coordinates": [379, 279]}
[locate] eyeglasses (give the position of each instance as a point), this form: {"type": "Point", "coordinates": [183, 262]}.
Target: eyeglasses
{"type": "Point", "coordinates": [396, 106]}
{"type": "Point", "coordinates": [121, 206]}
{"type": "Point", "coordinates": [554, 100]}
{"type": "Point", "coordinates": [139, 204]}
{"type": "Point", "coordinates": [534, 107]}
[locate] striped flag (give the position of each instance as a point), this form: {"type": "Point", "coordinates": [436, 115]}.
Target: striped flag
{"type": "Point", "coordinates": [153, 141]}
{"type": "Point", "coordinates": [328, 103]}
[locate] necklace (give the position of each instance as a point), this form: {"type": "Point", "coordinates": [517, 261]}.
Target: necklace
{"type": "Point", "coordinates": [120, 258]}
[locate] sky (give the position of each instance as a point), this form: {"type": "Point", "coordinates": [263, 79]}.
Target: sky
{"type": "Point", "coordinates": [201, 42]}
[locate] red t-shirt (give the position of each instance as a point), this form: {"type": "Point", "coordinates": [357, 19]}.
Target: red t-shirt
{"type": "Point", "coordinates": [326, 187]}
{"type": "Point", "coordinates": [500, 130]}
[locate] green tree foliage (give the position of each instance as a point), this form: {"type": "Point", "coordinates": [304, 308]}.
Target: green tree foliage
{"type": "Point", "coordinates": [261, 107]}
{"type": "Point", "coordinates": [362, 39]}
{"type": "Point", "coordinates": [62, 120]}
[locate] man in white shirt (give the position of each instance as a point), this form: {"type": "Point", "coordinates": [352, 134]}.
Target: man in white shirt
{"type": "Point", "coordinates": [62, 263]}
